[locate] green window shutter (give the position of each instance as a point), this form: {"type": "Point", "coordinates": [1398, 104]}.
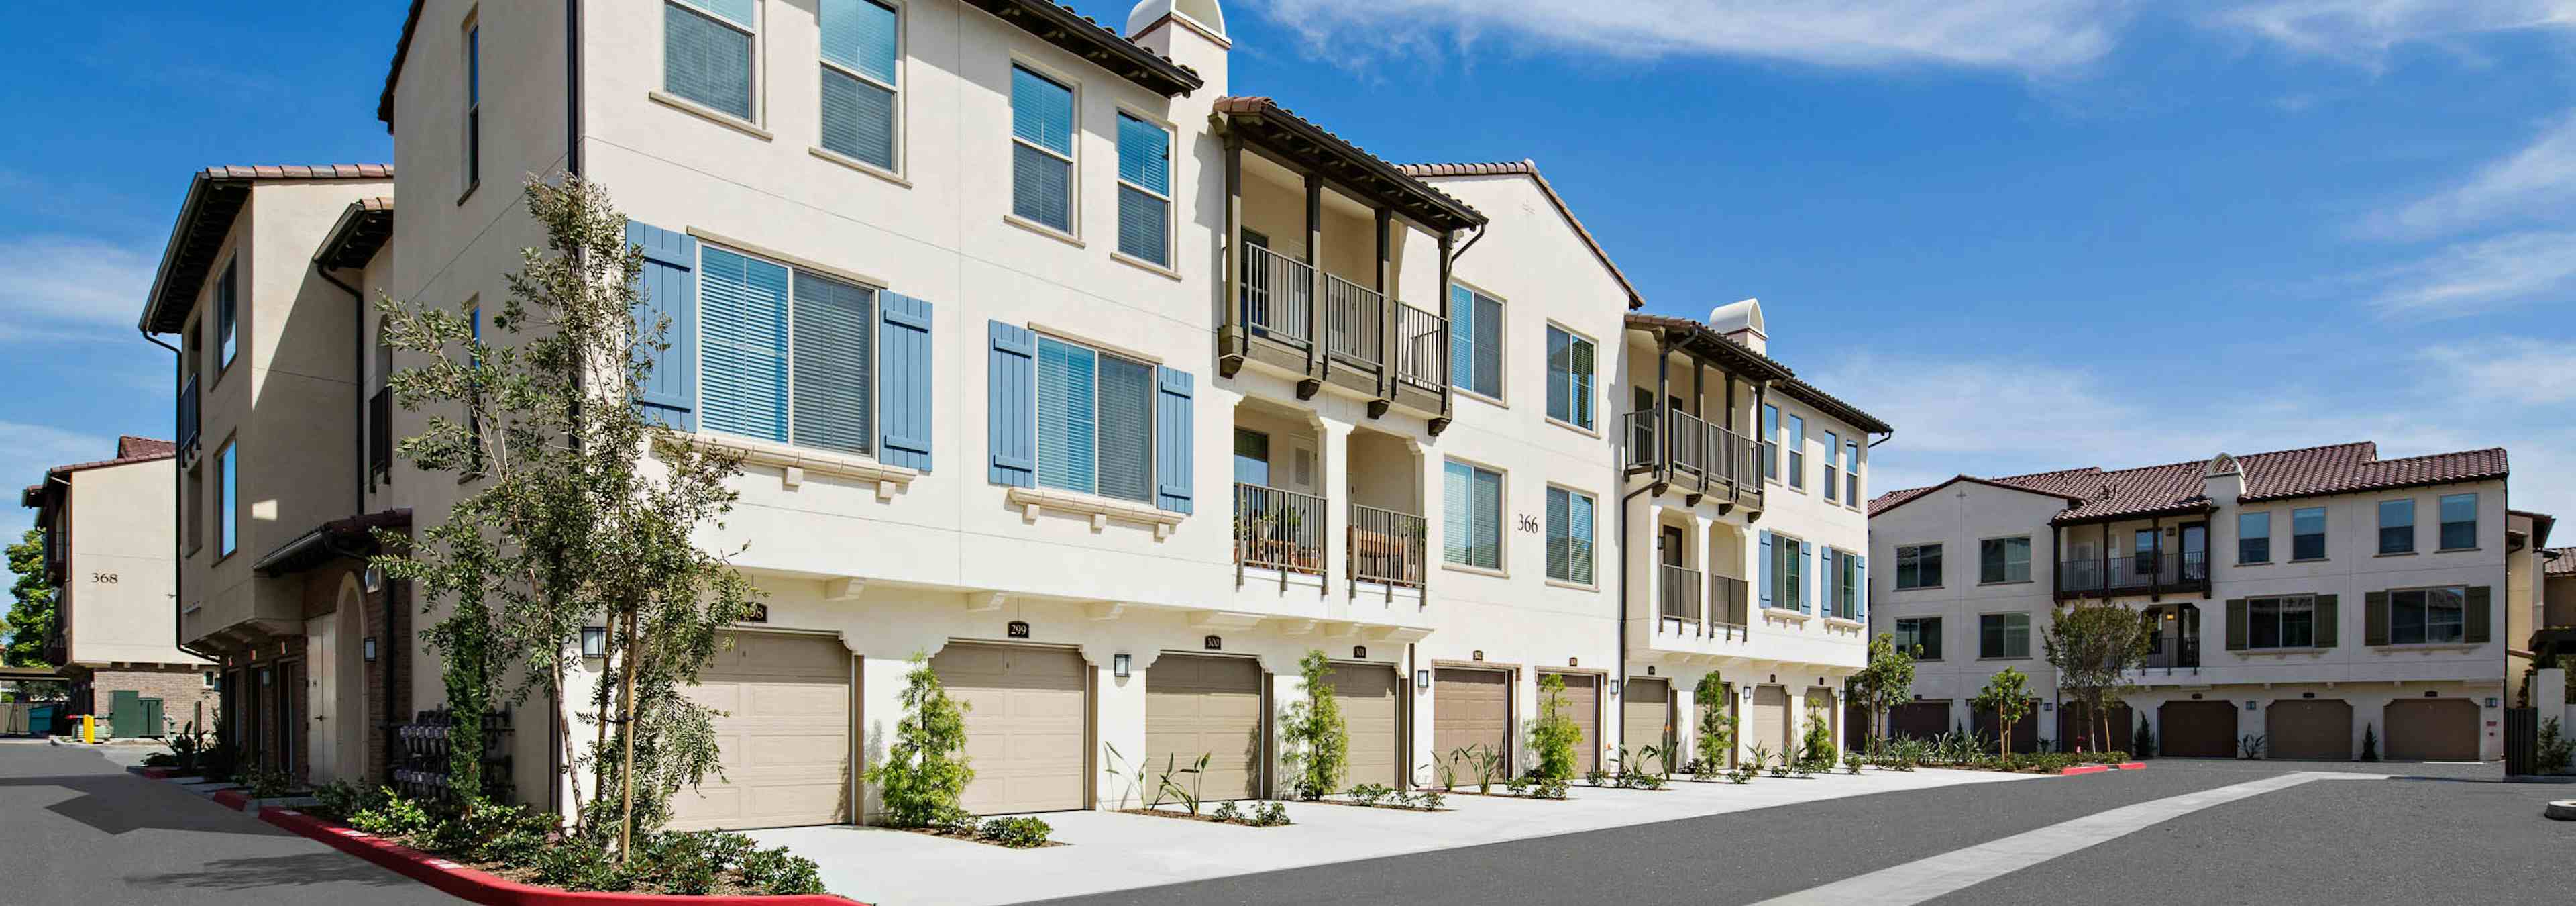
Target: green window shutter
{"type": "Point", "coordinates": [2329, 626]}
{"type": "Point", "coordinates": [2236, 624]}
{"type": "Point", "coordinates": [2374, 618]}
{"type": "Point", "coordinates": [833, 346]}
{"type": "Point", "coordinates": [2480, 618]}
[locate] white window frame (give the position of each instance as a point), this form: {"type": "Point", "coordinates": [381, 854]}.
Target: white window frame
{"type": "Point", "coordinates": [757, 31]}
{"type": "Point", "coordinates": [1593, 555]}
{"type": "Point", "coordinates": [2379, 511]}
{"type": "Point", "coordinates": [1502, 514]}
{"type": "Point", "coordinates": [1172, 177]}
{"type": "Point", "coordinates": [1788, 568]}
{"type": "Point", "coordinates": [1833, 470]}
{"type": "Point", "coordinates": [1793, 449]}
{"type": "Point", "coordinates": [2269, 555]}
{"type": "Point", "coordinates": [1851, 473]}
{"type": "Point", "coordinates": [902, 65]}
{"type": "Point", "coordinates": [2441, 525]}
{"type": "Point", "coordinates": [2325, 543]}
{"type": "Point", "coordinates": [1072, 164]}
{"type": "Point", "coordinates": [1153, 425]}
{"type": "Point", "coordinates": [2026, 630]}
{"type": "Point", "coordinates": [1592, 391]}
{"type": "Point", "coordinates": [227, 321]}
{"type": "Point", "coordinates": [1502, 359]}
{"type": "Point", "coordinates": [876, 364]}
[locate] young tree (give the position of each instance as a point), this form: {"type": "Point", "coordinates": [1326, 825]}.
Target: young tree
{"type": "Point", "coordinates": [1318, 744]}
{"type": "Point", "coordinates": [2008, 695]}
{"type": "Point", "coordinates": [2094, 646]}
{"type": "Point", "coordinates": [567, 523]}
{"type": "Point", "coordinates": [1716, 728]}
{"type": "Point", "coordinates": [1888, 681]}
{"type": "Point", "coordinates": [31, 610]}
{"type": "Point", "coordinates": [926, 772]}
{"type": "Point", "coordinates": [1554, 736]}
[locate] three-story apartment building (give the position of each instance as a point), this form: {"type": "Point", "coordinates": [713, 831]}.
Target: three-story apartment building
{"type": "Point", "coordinates": [2314, 598]}
{"type": "Point", "coordinates": [1108, 391]}
{"type": "Point", "coordinates": [109, 545]}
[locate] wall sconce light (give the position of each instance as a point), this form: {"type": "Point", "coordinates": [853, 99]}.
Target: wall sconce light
{"type": "Point", "coordinates": [1118, 665]}
{"type": "Point", "coordinates": [2249, 704]}
{"type": "Point", "coordinates": [2048, 706]}
{"type": "Point", "coordinates": [367, 649]}
{"type": "Point", "coordinates": [594, 641]}
{"type": "Point", "coordinates": [1359, 651]}
{"type": "Point", "coordinates": [1422, 679]}
{"type": "Point", "coordinates": [1614, 688]}
{"type": "Point", "coordinates": [372, 579]}
{"type": "Point", "coordinates": [2491, 701]}
{"type": "Point", "coordinates": [1574, 662]}
{"type": "Point", "coordinates": [1650, 669]}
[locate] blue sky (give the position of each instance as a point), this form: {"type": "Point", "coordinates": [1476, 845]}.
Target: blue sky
{"type": "Point", "coordinates": [2032, 234]}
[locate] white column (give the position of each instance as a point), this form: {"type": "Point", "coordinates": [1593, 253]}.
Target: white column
{"type": "Point", "coordinates": [1334, 485]}
{"type": "Point", "coordinates": [1120, 722]}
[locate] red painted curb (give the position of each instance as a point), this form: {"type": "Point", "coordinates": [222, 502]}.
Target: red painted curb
{"type": "Point", "coordinates": [2133, 765]}
{"type": "Point", "coordinates": [493, 890]}
{"type": "Point", "coordinates": [232, 799]}
{"type": "Point", "coordinates": [157, 773]}
{"type": "Point", "coordinates": [2082, 769]}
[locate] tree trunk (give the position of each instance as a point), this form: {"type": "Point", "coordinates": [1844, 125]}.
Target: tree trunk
{"type": "Point", "coordinates": [626, 736]}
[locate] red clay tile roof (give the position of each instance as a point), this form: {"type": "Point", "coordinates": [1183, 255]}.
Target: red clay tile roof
{"type": "Point", "coordinates": [1756, 366]}
{"type": "Point", "coordinates": [1894, 499]}
{"type": "Point", "coordinates": [2278, 475]}
{"type": "Point", "coordinates": [2564, 565]}
{"type": "Point", "coordinates": [1529, 168]}
{"type": "Point", "coordinates": [215, 195]}
{"type": "Point", "coordinates": [129, 449]}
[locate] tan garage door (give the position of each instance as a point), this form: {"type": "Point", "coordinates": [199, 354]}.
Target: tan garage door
{"type": "Point", "coordinates": [1371, 713]}
{"type": "Point", "coordinates": [785, 735]}
{"type": "Point", "coordinates": [1646, 719]}
{"type": "Point", "coordinates": [1820, 703]}
{"type": "Point", "coordinates": [1197, 705]}
{"type": "Point", "coordinates": [2432, 729]}
{"type": "Point", "coordinates": [2313, 729]}
{"type": "Point", "coordinates": [2198, 729]}
{"type": "Point", "coordinates": [1770, 723]}
{"type": "Point", "coordinates": [1583, 706]}
{"type": "Point", "coordinates": [1024, 724]}
{"type": "Point", "coordinates": [1471, 709]}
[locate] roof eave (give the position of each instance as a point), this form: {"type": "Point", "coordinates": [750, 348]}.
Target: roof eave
{"type": "Point", "coordinates": [1433, 209]}
{"type": "Point", "coordinates": [2376, 488]}
{"type": "Point", "coordinates": [2134, 515]}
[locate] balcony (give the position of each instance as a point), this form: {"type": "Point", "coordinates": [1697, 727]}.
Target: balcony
{"type": "Point", "coordinates": [187, 428]}
{"type": "Point", "coordinates": [1697, 458]}
{"type": "Point", "coordinates": [1389, 550]}
{"type": "Point", "coordinates": [380, 435]}
{"type": "Point", "coordinates": [2171, 572]}
{"type": "Point", "coordinates": [1278, 530]}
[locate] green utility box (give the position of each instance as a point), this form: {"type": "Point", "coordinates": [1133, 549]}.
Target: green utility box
{"type": "Point", "coordinates": [125, 713]}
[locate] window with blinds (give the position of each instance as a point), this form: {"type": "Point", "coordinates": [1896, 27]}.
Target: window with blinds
{"type": "Point", "coordinates": [1833, 469]}
{"type": "Point", "coordinates": [860, 82]}
{"type": "Point", "coordinates": [1144, 190]}
{"type": "Point", "coordinates": [706, 52]}
{"type": "Point", "coordinates": [1476, 341]}
{"type": "Point", "coordinates": [786, 354]}
{"type": "Point", "coordinates": [1095, 420]}
{"type": "Point", "coordinates": [1569, 378]}
{"type": "Point", "coordinates": [1472, 514]}
{"type": "Point", "coordinates": [1041, 149]}
{"type": "Point", "coordinates": [1569, 536]}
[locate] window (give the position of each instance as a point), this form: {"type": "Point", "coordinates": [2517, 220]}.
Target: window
{"type": "Point", "coordinates": [1918, 566]}
{"type": "Point", "coordinates": [1041, 150]}
{"type": "Point", "coordinates": [1833, 474]}
{"type": "Point", "coordinates": [1794, 437]}
{"type": "Point", "coordinates": [196, 505]}
{"type": "Point", "coordinates": [208, 679]}
{"type": "Point", "coordinates": [2003, 635]}
{"type": "Point", "coordinates": [1771, 442]}
{"type": "Point", "coordinates": [1788, 573]}
{"type": "Point", "coordinates": [2308, 533]}
{"type": "Point", "coordinates": [1476, 342]}
{"type": "Point", "coordinates": [1144, 190]}
{"type": "Point", "coordinates": [2144, 545]}
{"type": "Point", "coordinates": [1095, 422]}
{"type": "Point", "coordinates": [786, 354]}
{"type": "Point", "coordinates": [1569, 378]}
{"type": "Point", "coordinates": [1851, 472]}
{"type": "Point", "coordinates": [1922, 636]}
{"type": "Point", "coordinates": [227, 310]}
{"type": "Point", "coordinates": [1569, 536]}
{"type": "Point", "coordinates": [1251, 457]}
{"type": "Point", "coordinates": [861, 45]}
{"type": "Point", "coordinates": [2253, 537]}
{"type": "Point", "coordinates": [1847, 583]}
{"type": "Point", "coordinates": [2286, 622]}
{"type": "Point", "coordinates": [1472, 516]}
{"type": "Point", "coordinates": [2459, 521]}
{"type": "Point", "coordinates": [473, 104]}
{"type": "Point", "coordinates": [2002, 560]}
{"type": "Point", "coordinates": [227, 493]}
{"type": "Point", "coordinates": [706, 52]}
{"type": "Point", "coordinates": [2425, 616]}
{"type": "Point", "coordinates": [2397, 526]}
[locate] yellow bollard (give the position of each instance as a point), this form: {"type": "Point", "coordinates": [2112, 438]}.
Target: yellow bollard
{"type": "Point", "coordinates": [89, 728]}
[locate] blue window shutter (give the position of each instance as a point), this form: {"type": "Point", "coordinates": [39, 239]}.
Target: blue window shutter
{"type": "Point", "coordinates": [1762, 570]}
{"type": "Point", "coordinates": [1173, 437]}
{"type": "Point", "coordinates": [1827, 589]}
{"type": "Point", "coordinates": [904, 397]}
{"type": "Point", "coordinates": [1012, 411]}
{"type": "Point", "coordinates": [1806, 573]}
{"type": "Point", "coordinates": [669, 394]}
{"type": "Point", "coordinates": [1860, 587]}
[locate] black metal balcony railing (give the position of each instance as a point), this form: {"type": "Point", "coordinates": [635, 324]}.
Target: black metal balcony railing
{"type": "Point", "coordinates": [1730, 603]}
{"type": "Point", "coordinates": [2134, 574]}
{"type": "Point", "coordinates": [187, 430]}
{"type": "Point", "coordinates": [2174, 652]}
{"type": "Point", "coordinates": [380, 434]}
{"type": "Point", "coordinates": [1704, 457]}
{"type": "Point", "coordinates": [1278, 530]}
{"type": "Point", "coordinates": [1422, 348]}
{"type": "Point", "coordinates": [1388, 548]}
{"type": "Point", "coordinates": [1680, 591]}
{"type": "Point", "coordinates": [1354, 322]}
{"type": "Point", "coordinates": [1278, 296]}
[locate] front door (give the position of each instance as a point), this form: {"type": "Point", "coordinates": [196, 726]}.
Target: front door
{"type": "Point", "coordinates": [1670, 546]}
{"type": "Point", "coordinates": [2195, 552]}
{"type": "Point", "coordinates": [321, 648]}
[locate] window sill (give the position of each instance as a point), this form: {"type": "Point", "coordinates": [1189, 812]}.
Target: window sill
{"type": "Point", "coordinates": [1464, 393]}
{"type": "Point", "coordinates": [1101, 509]}
{"type": "Point", "coordinates": [2394, 554]}
{"type": "Point", "coordinates": [2006, 582]}
{"type": "Point", "coordinates": [853, 163]}
{"type": "Point", "coordinates": [2005, 658]}
{"type": "Point", "coordinates": [2254, 563]}
{"type": "Point", "coordinates": [1043, 230]}
{"type": "Point", "coordinates": [1570, 426]}
{"type": "Point", "coordinates": [1574, 586]}
{"type": "Point", "coordinates": [2311, 560]}
{"type": "Point", "coordinates": [1918, 588]}
{"type": "Point", "coordinates": [801, 460]}
{"type": "Point", "coordinates": [2454, 550]}
{"type": "Point", "coordinates": [1840, 623]}
{"type": "Point", "coordinates": [1475, 570]}
{"type": "Point", "coordinates": [710, 114]}
{"type": "Point", "coordinates": [1144, 265]}
{"type": "Point", "coordinates": [2431, 646]}
{"type": "Point", "coordinates": [2251, 652]}
{"type": "Point", "coordinates": [1785, 615]}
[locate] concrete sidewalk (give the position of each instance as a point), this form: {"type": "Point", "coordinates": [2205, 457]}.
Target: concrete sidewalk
{"type": "Point", "coordinates": [1112, 851]}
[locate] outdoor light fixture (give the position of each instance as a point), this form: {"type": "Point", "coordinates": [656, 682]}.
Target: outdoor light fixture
{"type": "Point", "coordinates": [1422, 679]}
{"type": "Point", "coordinates": [2048, 706]}
{"type": "Point", "coordinates": [373, 578]}
{"type": "Point", "coordinates": [2491, 701]}
{"type": "Point", "coordinates": [1614, 688]}
{"type": "Point", "coordinates": [1118, 665]}
{"type": "Point", "coordinates": [1359, 651]}
{"type": "Point", "coordinates": [594, 641]}
{"type": "Point", "coordinates": [367, 649]}
{"type": "Point", "coordinates": [2249, 704]}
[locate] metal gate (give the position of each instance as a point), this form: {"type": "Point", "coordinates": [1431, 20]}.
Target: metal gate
{"type": "Point", "coordinates": [2521, 742]}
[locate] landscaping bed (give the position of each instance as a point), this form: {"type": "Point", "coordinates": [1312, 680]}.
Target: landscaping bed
{"type": "Point", "coordinates": [1261, 814]}
{"type": "Point", "coordinates": [480, 883]}
{"type": "Point", "coordinates": [1008, 833]}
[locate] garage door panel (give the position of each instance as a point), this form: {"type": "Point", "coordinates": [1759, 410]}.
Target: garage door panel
{"type": "Point", "coordinates": [1919, 720]}
{"type": "Point", "coordinates": [1198, 705]}
{"type": "Point", "coordinates": [2428, 729]}
{"type": "Point", "coordinates": [1368, 695]}
{"type": "Point", "coordinates": [1770, 721]}
{"type": "Point", "coordinates": [783, 740]}
{"type": "Point", "coordinates": [1645, 719]}
{"type": "Point", "coordinates": [1025, 724]}
{"type": "Point", "coordinates": [2196, 729]}
{"type": "Point", "coordinates": [1471, 708]}
{"type": "Point", "coordinates": [2318, 729]}
{"type": "Point", "coordinates": [1583, 706]}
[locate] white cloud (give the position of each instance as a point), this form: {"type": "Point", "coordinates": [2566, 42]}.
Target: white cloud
{"type": "Point", "coordinates": [2517, 370]}
{"type": "Point", "coordinates": [2362, 30]}
{"type": "Point", "coordinates": [2020, 35]}
{"type": "Point", "coordinates": [2471, 277]}
{"type": "Point", "coordinates": [2538, 181]}
{"type": "Point", "coordinates": [67, 285]}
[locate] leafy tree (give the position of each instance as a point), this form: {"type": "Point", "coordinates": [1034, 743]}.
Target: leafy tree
{"type": "Point", "coordinates": [566, 525]}
{"type": "Point", "coordinates": [2008, 695]}
{"type": "Point", "coordinates": [1554, 735]}
{"type": "Point", "coordinates": [2094, 646]}
{"type": "Point", "coordinates": [1716, 727]}
{"type": "Point", "coordinates": [1817, 747]}
{"type": "Point", "coordinates": [31, 613]}
{"type": "Point", "coordinates": [1319, 745]}
{"type": "Point", "coordinates": [1888, 681]}
{"type": "Point", "coordinates": [926, 773]}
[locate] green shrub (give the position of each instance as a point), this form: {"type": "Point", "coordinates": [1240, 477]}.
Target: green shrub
{"type": "Point", "coordinates": [1318, 744]}
{"type": "Point", "coordinates": [778, 872]}
{"type": "Point", "coordinates": [1270, 814]}
{"type": "Point", "coordinates": [1016, 833]}
{"type": "Point", "coordinates": [1554, 735]}
{"type": "Point", "coordinates": [393, 816]}
{"type": "Point", "coordinates": [926, 771]}
{"type": "Point", "coordinates": [339, 800]}
{"type": "Point", "coordinates": [2369, 743]}
{"type": "Point", "coordinates": [1372, 793]}
{"type": "Point", "coordinates": [267, 783]}
{"type": "Point", "coordinates": [1550, 788]}
{"type": "Point", "coordinates": [1818, 746]}
{"type": "Point", "coordinates": [2556, 750]}
{"type": "Point", "coordinates": [1430, 800]}
{"type": "Point", "coordinates": [1227, 812]}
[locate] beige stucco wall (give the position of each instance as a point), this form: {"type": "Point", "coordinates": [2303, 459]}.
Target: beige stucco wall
{"type": "Point", "coordinates": [119, 588]}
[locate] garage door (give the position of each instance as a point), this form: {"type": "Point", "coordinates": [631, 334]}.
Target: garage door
{"type": "Point", "coordinates": [2076, 728]}
{"type": "Point", "coordinates": [1989, 727]}
{"type": "Point", "coordinates": [784, 736]}
{"type": "Point", "coordinates": [1196, 705]}
{"type": "Point", "coordinates": [1770, 723]}
{"type": "Point", "coordinates": [2433, 729]}
{"type": "Point", "coordinates": [1471, 709]}
{"type": "Point", "coordinates": [1646, 719]}
{"type": "Point", "coordinates": [1919, 720]}
{"type": "Point", "coordinates": [1371, 712]}
{"type": "Point", "coordinates": [1583, 706]}
{"type": "Point", "coordinates": [2314, 729]}
{"type": "Point", "coordinates": [2196, 730]}
{"type": "Point", "coordinates": [1820, 703]}
{"type": "Point", "coordinates": [1024, 726]}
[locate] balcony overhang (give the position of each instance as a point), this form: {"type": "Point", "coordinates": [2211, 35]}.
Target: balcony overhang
{"type": "Point", "coordinates": [353, 536]}
{"type": "Point", "coordinates": [2194, 509]}
{"type": "Point", "coordinates": [1295, 141]}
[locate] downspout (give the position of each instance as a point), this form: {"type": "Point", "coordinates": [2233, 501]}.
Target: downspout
{"type": "Point", "coordinates": [357, 382]}
{"type": "Point", "coordinates": [556, 732]}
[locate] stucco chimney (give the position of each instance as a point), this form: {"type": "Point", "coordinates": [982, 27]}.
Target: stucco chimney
{"type": "Point", "coordinates": [1741, 322]}
{"type": "Point", "coordinates": [1191, 32]}
{"type": "Point", "coordinates": [2224, 481]}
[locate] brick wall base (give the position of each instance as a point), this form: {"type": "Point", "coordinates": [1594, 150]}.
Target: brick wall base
{"type": "Point", "coordinates": [182, 689]}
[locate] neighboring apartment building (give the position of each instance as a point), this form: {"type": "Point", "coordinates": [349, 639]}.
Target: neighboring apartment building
{"type": "Point", "coordinates": [1109, 391]}
{"type": "Point", "coordinates": [2553, 634]}
{"type": "Point", "coordinates": [2306, 596]}
{"type": "Point", "coordinates": [2527, 562]}
{"type": "Point", "coordinates": [109, 545]}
